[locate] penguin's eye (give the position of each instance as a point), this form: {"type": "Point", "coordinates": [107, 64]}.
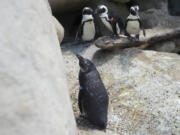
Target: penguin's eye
{"type": "Point", "coordinates": [87, 12]}
{"type": "Point", "coordinates": [103, 9]}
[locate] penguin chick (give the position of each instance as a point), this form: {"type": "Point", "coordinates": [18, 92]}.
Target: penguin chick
{"type": "Point", "coordinates": [133, 24]}
{"type": "Point", "coordinates": [93, 98]}
{"type": "Point", "coordinates": [86, 31]}
{"type": "Point", "coordinates": [112, 23]}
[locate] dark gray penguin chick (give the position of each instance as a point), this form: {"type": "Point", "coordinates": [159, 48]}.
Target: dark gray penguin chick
{"type": "Point", "coordinates": [133, 24]}
{"type": "Point", "coordinates": [86, 31]}
{"type": "Point", "coordinates": [93, 98]}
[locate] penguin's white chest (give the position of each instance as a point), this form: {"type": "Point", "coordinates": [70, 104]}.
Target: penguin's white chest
{"type": "Point", "coordinates": [107, 24]}
{"type": "Point", "coordinates": [133, 27]}
{"type": "Point", "coordinates": [88, 31]}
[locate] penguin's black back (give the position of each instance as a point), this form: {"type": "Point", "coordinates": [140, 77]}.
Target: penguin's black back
{"type": "Point", "coordinates": [93, 98]}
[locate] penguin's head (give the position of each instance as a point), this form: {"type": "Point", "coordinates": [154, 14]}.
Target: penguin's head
{"type": "Point", "coordinates": [134, 10]}
{"type": "Point", "coordinates": [87, 11]}
{"type": "Point", "coordinates": [101, 9]}
{"type": "Point", "coordinates": [85, 64]}
{"type": "Point", "coordinates": [87, 14]}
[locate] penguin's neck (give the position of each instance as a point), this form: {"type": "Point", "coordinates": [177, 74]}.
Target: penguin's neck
{"type": "Point", "coordinates": [86, 18]}
{"type": "Point", "coordinates": [82, 70]}
{"type": "Point", "coordinates": [105, 20]}
{"type": "Point", "coordinates": [133, 17]}
{"type": "Point", "coordinates": [105, 15]}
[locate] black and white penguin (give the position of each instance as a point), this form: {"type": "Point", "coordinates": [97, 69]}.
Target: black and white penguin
{"type": "Point", "coordinates": [133, 24]}
{"type": "Point", "coordinates": [86, 31]}
{"type": "Point", "coordinates": [93, 98]}
{"type": "Point", "coordinates": [112, 23]}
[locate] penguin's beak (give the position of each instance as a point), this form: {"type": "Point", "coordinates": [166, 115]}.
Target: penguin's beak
{"type": "Point", "coordinates": [81, 62]}
{"type": "Point", "coordinates": [79, 57]}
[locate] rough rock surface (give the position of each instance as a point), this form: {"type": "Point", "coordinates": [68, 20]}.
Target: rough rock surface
{"type": "Point", "coordinates": [159, 39]}
{"type": "Point", "coordinates": [177, 42]}
{"type": "Point", "coordinates": [65, 5]}
{"type": "Point", "coordinates": [122, 1]}
{"type": "Point", "coordinates": [143, 87]}
{"type": "Point", "coordinates": [34, 97]}
{"type": "Point", "coordinates": [156, 14]}
{"type": "Point", "coordinates": [59, 29]}
{"type": "Point", "coordinates": [149, 4]}
{"type": "Point", "coordinates": [169, 46]}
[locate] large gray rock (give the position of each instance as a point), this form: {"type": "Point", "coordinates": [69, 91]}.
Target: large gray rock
{"type": "Point", "coordinates": [168, 46]}
{"type": "Point", "coordinates": [122, 1]}
{"type": "Point", "coordinates": [155, 13]}
{"type": "Point", "coordinates": [65, 5]}
{"type": "Point", "coordinates": [143, 87]}
{"type": "Point", "coordinates": [34, 97]}
{"type": "Point", "coordinates": [149, 4]}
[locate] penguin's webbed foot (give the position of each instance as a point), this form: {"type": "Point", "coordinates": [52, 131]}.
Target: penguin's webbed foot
{"type": "Point", "coordinates": [114, 36]}
{"type": "Point", "coordinates": [137, 38]}
{"type": "Point", "coordinates": [84, 116]}
{"type": "Point", "coordinates": [131, 38]}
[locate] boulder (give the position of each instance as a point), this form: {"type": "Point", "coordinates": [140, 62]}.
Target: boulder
{"type": "Point", "coordinates": [122, 1]}
{"type": "Point", "coordinates": [71, 5]}
{"type": "Point", "coordinates": [65, 5]}
{"type": "Point", "coordinates": [143, 87]}
{"type": "Point", "coordinates": [155, 13]}
{"type": "Point", "coordinates": [177, 42]}
{"type": "Point", "coordinates": [149, 4]}
{"type": "Point", "coordinates": [34, 98]}
{"type": "Point", "coordinates": [59, 29]}
{"type": "Point", "coordinates": [168, 46]}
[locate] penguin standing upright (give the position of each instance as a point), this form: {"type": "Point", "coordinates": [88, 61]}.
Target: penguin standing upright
{"type": "Point", "coordinates": [86, 31]}
{"type": "Point", "coordinates": [114, 24]}
{"type": "Point", "coordinates": [93, 98]}
{"type": "Point", "coordinates": [133, 24]}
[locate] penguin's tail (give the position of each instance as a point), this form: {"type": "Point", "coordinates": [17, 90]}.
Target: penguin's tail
{"type": "Point", "coordinates": [144, 32]}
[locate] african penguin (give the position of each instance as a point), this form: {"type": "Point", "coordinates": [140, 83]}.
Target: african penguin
{"type": "Point", "coordinates": [133, 24]}
{"type": "Point", "coordinates": [86, 31]}
{"type": "Point", "coordinates": [93, 98]}
{"type": "Point", "coordinates": [112, 23]}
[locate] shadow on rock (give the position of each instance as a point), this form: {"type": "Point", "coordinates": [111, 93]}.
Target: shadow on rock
{"type": "Point", "coordinates": [84, 124]}
{"type": "Point", "coordinates": [102, 56]}
{"type": "Point", "coordinates": [126, 56]}
{"type": "Point", "coordinates": [75, 47]}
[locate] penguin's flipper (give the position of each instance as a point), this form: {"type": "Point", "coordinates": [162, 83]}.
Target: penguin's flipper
{"type": "Point", "coordinates": [77, 35]}
{"type": "Point", "coordinates": [121, 24]}
{"type": "Point", "coordinates": [79, 32]}
{"type": "Point", "coordinates": [80, 98]}
{"type": "Point", "coordinates": [144, 32]}
{"type": "Point", "coordinates": [125, 25]}
{"type": "Point", "coordinates": [114, 28]}
{"type": "Point", "coordinates": [113, 22]}
{"type": "Point", "coordinates": [141, 27]}
{"type": "Point", "coordinates": [97, 21]}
